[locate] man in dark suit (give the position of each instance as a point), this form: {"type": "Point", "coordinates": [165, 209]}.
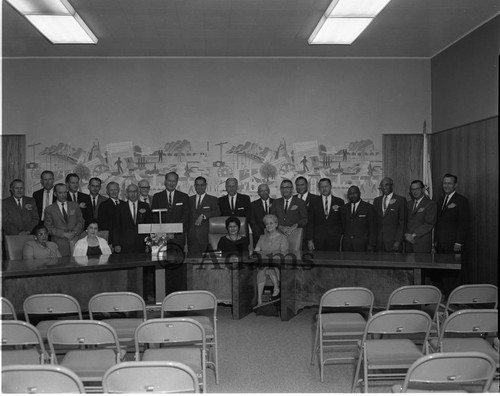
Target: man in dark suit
{"type": "Point", "coordinates": [302, 189]}
{"type": "Point", "coordinates": [391, 212]}
{"type": "Point", "coordinates": [453, 218]}
{"type": "Point", "coordinates": [64, 220]}
{"type": "Point", "coordinates": [45, 196]}
{"type": "Point", "coordinates": [19, 213]}
{"type": "Point", "coordinates": [291, 211]}
{"type": "Point", "coordinates": [126, 238]}
{"type": "Point", "coordinates": [106, 210]}
{"type": "Point", "coordinates": [144, 189]}
{"type": "Point", "coordinates": [260, 208]}
{"type": "Point", "coordinates": [96, 198]}
{"type": "Point", "coordinates": [201, 207]}
{"type": "Point", "coordinates": [83, 200]}
{"type": "Point", "coordinates": [359, 223]}
{"type": "Point", "coordinates": [324, 226]}
{"type": "Point", "coordinates": [422, 212]}
{"type": "Point", "coordinates": [234, 203]}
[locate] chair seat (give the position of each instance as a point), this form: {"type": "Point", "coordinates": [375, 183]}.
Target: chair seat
{"type": "Point", "coordinates": [470, 345]}
{"type": "Point", "coordinates": [403, 352]}
{"type": "Point", "coordinates": [25, 356]}
{"type": "Point", "coordinates": [90, 364]}
{"type": "Point", "coordinates": [189, 356]}
{"type": "Point", "coordinates": [124, 327]}
{"type": "Point", "coordinates": [343, 322]}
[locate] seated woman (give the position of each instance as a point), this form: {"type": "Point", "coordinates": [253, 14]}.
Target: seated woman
{"type": "Point", "coordinates": [272, 241]}
{"type": "Point", "coordinates": [233, 242]}
{"type": "Point", "coordinates": [91, 245]}
{"type": "Point", "coordinates": [40, 247]}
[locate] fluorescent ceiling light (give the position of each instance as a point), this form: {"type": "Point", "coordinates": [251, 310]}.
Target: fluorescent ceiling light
{"type": "Point", "coordinates": [338, 30]}
{"type": "Point", "coordinates": [41, 6]}
{"type": "Point", "coordinates": [355, 8]}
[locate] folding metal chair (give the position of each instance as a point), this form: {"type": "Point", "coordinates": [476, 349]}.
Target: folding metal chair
{"type": "Point", "coordinates": [40, 379]}
{"type": "Point", "coordinates": [341, 331]}
{"type": "Point", "coordinates": [58, 305]}
{"type": "Point", "coordinates": [200, 305]}
{"type": "Point", "coordinates": [8, 311]}
{"type": "Point", "coordinates": [391, 352]}
{"type": "Point", "coordinates": [98, 342]}
{"type": "Point", "coordinates": [449, 372]}
{"type": "Point", "coordinates": [21, 344]}
{"type": "Point", "coordinates": [150, 377]}
{"type": "Point", "coordinates": [473, 296]}
{"type": "Point", "coordinates": [180, 340]}
{"type": "Point", "coordinates": [124, 304]}
{"type": "Point", "coordinates": [467, 331]}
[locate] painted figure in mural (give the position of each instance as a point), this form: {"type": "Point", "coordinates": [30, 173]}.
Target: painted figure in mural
{"type": "Point", "coordinates": [422, 214]}
{"type": "Point", "coordinates": [359, 223]}
{"type": "Point", "coordinates": [234, 203]}
{"type": "Point", "coordinates": [64, 220]}
{"type": "Point", "coordinates": [45, 196]}
{"type": "Point", "coordinates": [160, 155]}
{"type": "Point", "coordinates": [344, 154]}
{"type": "Point", "coordinates": [19, 212]}
{"type": "Point", "coordinates": [260, 207]}
{"type": "Point", "coordinates": [106, 210]}
{"type": "Point", "coordinates": [324, 226]}
{"type": "Point", "coordinates": [126, 238]}
{"type": "Point", "coordinates": [144, 188]}
{"type": "Point", "coordinates": [96, 199]}
{"type": "Point", "coordinates": [94, 150]}
{"type": "Point", "coordinates": [83, 200]}
{"type": "Point", "coordinates": [106, 157]}
{"type": "Point", "coordinates": [201, 207]}
{"type": "Point", "coordinates": [118, 164]}
{"type": "Point", "coordinates": [304, 164]}
{"type": "Point", "coordinates": [291, 211]}
{"type": "Point", "coordinates": [391, 212]}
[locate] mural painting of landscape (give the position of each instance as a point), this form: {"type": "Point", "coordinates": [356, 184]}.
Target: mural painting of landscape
{"type": "Point", "coordinates": [251, 162]}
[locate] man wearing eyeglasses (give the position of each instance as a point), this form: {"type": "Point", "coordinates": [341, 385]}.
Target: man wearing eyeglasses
{"type": "Point", "coordinates": [144, 192]}
{"type": "Point", "coordinates": [291, 211]}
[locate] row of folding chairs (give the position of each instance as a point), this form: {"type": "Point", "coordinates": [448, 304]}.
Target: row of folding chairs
{"type": "Point", "coordinates": [126, 377]}
{"type": "Point", "coordinates": [401, 334]}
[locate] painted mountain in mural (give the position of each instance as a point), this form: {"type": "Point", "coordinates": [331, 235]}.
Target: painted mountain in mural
{"type": "Point", "coordinates": [251, 150]}
{"type": "Point", "coordinates": [64, 151]}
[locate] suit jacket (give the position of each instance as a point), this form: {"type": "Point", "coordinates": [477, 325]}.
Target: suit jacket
{"type": "Point", "coordinates": [177, 213]}
{"type": "Point", "coordinates": [296, 213]}
{"type": "Point", "coordinates": [242, 206]}
{"type": "Point", "coordinates": [38, 196]}
{"type": "Point", "coordinates": [452, 223]}
{"type": "Point", "coordinates": [198, 235]}
{"type": "Point", "coordinates": [95, 210]}
{"type": "Point", "coordinates": [16, 220]}
{"type": "Point", "coordinates": [125, 231]}
{"type": "Point", "coordinates": [106, 215]}
{"type": "Point", "coordinates": [310, 197]}
{"type": "Point", "coordinates": [421, 222]}
{"type": "Point", "coordinates": [54, 221]}
{"type": "Point", "coordinates": [359, 230]}
{"type": "Point", "coordinates": [256, 217]}
{"type": "Point", "coordinates": [391, 225]}
{"type": "Point", "coordinates": [85, 206]}
{"type": "Point", "coordinates": [150, 199]}
{"type": "Point", "coordinates": [324, 231]}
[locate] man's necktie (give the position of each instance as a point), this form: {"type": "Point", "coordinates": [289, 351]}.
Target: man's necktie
{"type": "Point", "coordinates": [74, 198]}
{"type": "Point", "coordinates": [116, 202]}
{"type": "Point", "coordinates": [19, 204]}
{"type": "Point", "coordinates": [385, 203]}
{"type": "Point", "coordinates": [415, 206]}
{"type": "Point", "coordinates": [65, 214]}
{"type": "Point", "coordinates": [232, 204]}
{"type": "Point", "coordinates": [199, 202]}
{"type": "Point", "coordinates": [286, 206]}
{"type": "Point", "coordinates": [169, 199]}
{"type": "Point", "coordinates": [327, 211]}
{"type": "Point", "coordinates": [95, 206]}
{"type": "Point", "coordinates": [47, 203]}
{"type": "Point", "coordinates": [133, 210]}
{"type": "Point", "coordinates": [445, 203]}
{"type": "Point", "coordinates": [265, 205]}
{"type": "Point", "coordinates": [353, 209]}
{"type": "Point", "coordinates": [300, 196]}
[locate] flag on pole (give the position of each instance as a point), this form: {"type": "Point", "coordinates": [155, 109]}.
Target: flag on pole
{"type": "Point", "coordinates": [426, 155]}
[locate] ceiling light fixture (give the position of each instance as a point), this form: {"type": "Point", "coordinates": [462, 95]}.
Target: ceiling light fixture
{"type": "Point", "coordinates": [345, 20]}
{"type": "Point", "coordinates": [57, 20]}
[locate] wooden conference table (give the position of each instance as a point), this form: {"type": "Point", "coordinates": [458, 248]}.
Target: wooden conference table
{"type": "Point", "coordinates": [304, 276]}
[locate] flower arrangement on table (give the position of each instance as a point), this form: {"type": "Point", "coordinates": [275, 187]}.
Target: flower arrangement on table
{"type": "Point", "coordinates": [154, 242]}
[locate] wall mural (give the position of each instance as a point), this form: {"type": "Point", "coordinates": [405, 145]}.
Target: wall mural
{"type": "Point", "coordinates": [354, 163]}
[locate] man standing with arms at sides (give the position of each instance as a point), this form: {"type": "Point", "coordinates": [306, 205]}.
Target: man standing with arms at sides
{"type": "Point", "coordinates": [64, 220]}
{"type": "Point", "coordinates": [128, 215]}
{"type": "Point", "coordinates": [234, 203]}
{"type": "Point", "coordinates": [95, 198]}
{"type": "Point", "coordinates": [302, 186]}
{"type": "Point", "coordinates": [391, 218]}
{"type": "Point", "coordinates": [324, 226]}
{"type": "Point", "coordinates": [82, 199]}
{"type": "Point", "coordinates": [422, 212]}
{"type": "Point", "coordinates": [144, 192]}
{"type": "Point", "coordinates": [45, 196]}
{"type": "Point", "coordinates": [359, 223]}
{"type": "Point", "coordinates": [106, 210]}
{"type": "Point", "coordinates": [260, 207]}
{"type": "Point", "coordinates": [19, 213]}
{"type": "Point", "coordinates": [291, 211]}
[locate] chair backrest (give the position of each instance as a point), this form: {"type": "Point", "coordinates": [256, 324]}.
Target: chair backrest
{"type": "Point", "coordinates": [473, 294]}
{"type": "Point", "coordinates": [169, 330]}
{"type": "Point", "coordinates": [217, 229]}
{"type": "Point", "coordinates": [117, 302]}
{"type": "Point", "coordinates": [471, 321]}
{"type": "Point", "coordinates": [14, 245]}
{"type": "Point", "coordinates": [189, 301]}
{"type": "Point", "coordinates": [47, 304]}
{"type": "Point", "coordinates": [8, 309]}
{"type": "Point", "coordinates": [19, 333]}
{"type": "Point", "coordinates": [347, 297]}
{"type": "Point", "coordinates": [40, 379]}
{"type": "Point", "coordinates": [295, 239]}
{"type": "Point", "coordinates": [150, 377]}
{"type": "Point", "coordinates": [415, 295]}
{"type": "Point", "coordinates": [453, 369]}
{"type": "Point", "coordinates": [82, 332]}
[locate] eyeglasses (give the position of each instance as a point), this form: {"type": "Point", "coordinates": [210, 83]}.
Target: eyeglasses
{"type": "Point", "coordinates": [145, 188]}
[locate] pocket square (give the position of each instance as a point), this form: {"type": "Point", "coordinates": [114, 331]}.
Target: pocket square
{"type": "Point", "coordinates": [362, 215]}
{"type": "Point", "coordinates": [206, 207]}
{"type": "Point", "coordinates": [179, 203]}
